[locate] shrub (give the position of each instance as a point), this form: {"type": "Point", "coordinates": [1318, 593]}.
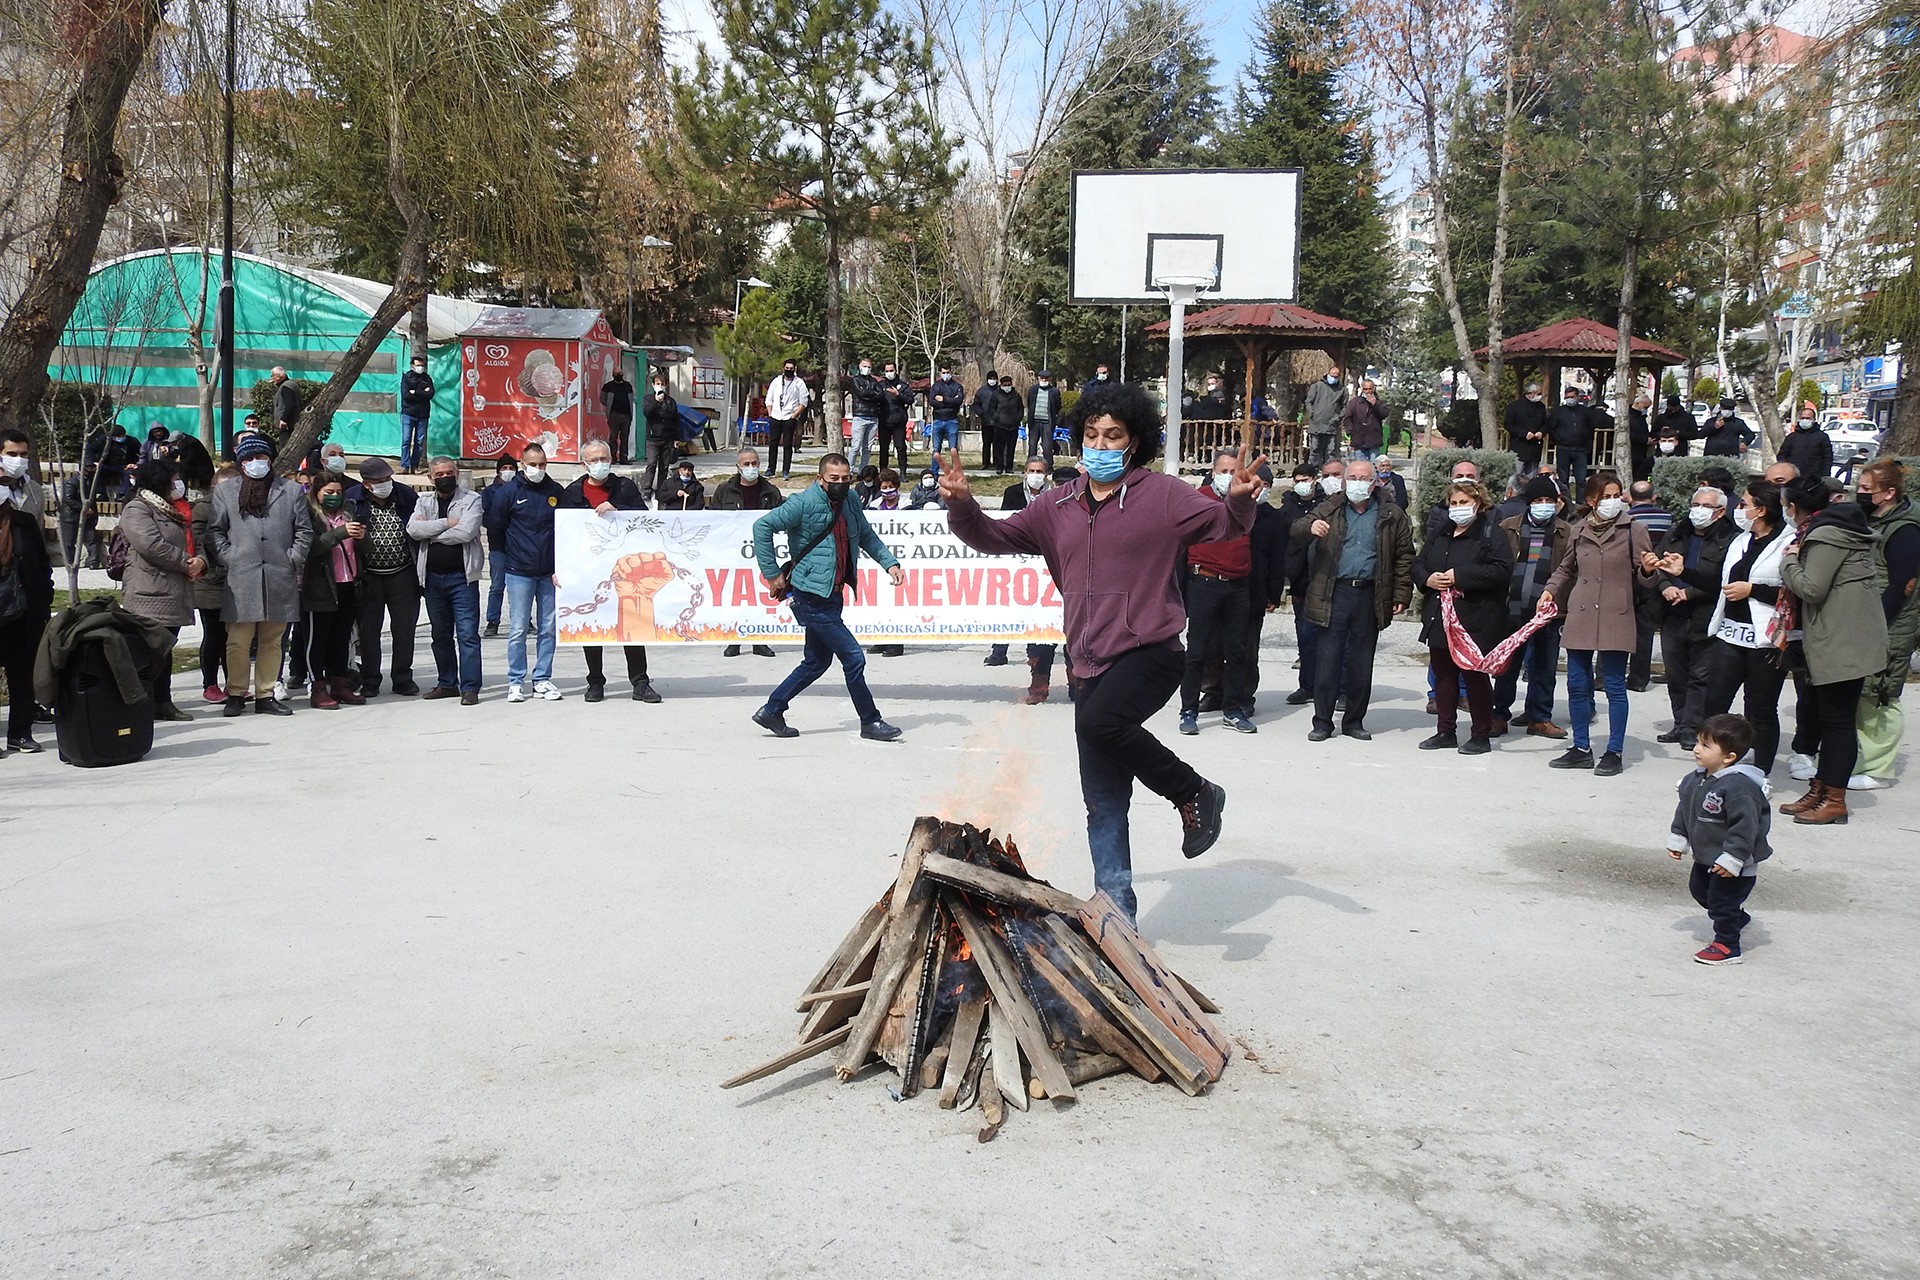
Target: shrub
{"type": "Point", "coordinates": [1707, 388]}
{"type": "Point", "coordinates": [260, 400]}
{"type": "Point", "coordinates": [1430, 478]}
{"type": "Point", "coordinates": [71, 406]}
{"type": "Point", "coordinates": [1675, 479]}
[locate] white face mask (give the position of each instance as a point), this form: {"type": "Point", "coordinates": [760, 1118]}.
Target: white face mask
{"type": "Point", "coordinates": [1359, 490]}
{"type": "Point", "coordinates": [382, 489]}
{"type": "Point", "coordinates": [1333, 379]}
{"type": "Point", "coordinates": [1302, 487]}
{"type": "Point", "coordinates": [1462, 515]}
{"type": "Point", "coordinates": [1541, 512]}
{"type": "Point", "coordinates": [1329, 485]}
{"type": "Point", "coordinates": [866, 370]}
{"type": "Point", "coordinates": [1610, 508]}
{"type": "Point", "coordinates": [1222, 481]}
{"type": "Point", "coordinates": [179, 490]}
{"type": "Point", "coordinates": [1806, 424]}
{"type": "Point", "coordinates": [1703, 516]}
{"type": "Point", "coordinates": [1668, 446]}
{"type": "Point", "coordinates": [1743, 519]}
{"type": "Point", "coordinates": [534, 475]}
{"type": "Point", "coordinates": [599, 470]}
{"type": "Point", "coordinates": [749, 475]}
{"type": "Point", "coordinates": [14, 465]}
{"type": "Point", "coordinates": [337, 463]}
{"type": "Point", "coordinates": [256, 468]}
{"type": "Point", "coordinates": [507, 475]}
{"type": "Point", "coordinates": [1036, 481]}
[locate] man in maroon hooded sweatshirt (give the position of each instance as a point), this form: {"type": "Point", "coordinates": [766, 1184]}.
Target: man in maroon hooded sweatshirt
{"type": "Point", "coordinates": [1115, 541]}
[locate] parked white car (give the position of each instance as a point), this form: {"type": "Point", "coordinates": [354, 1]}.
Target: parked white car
{"type": "Point", "coordinates": [1856, 442]}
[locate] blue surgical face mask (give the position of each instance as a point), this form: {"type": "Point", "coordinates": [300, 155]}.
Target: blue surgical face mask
{"type": "Point", "coordinates": [1104, 465]}
{"type": "Point", "coordinates": [1541, 512]}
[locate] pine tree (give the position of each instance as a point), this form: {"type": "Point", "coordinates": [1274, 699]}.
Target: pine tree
{"type": "Point", "coordinates": [1290, 112]}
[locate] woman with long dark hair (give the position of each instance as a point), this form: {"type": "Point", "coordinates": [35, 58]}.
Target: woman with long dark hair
{"type": "Point", "coordinates": [1116, 540]}
{"type": "Point", "coordinates": [1747, 653]}
{"type": "Point", "coordinates": [1835, 599]}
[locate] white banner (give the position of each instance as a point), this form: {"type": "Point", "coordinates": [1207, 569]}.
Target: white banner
{"type": "Point", "coordinates": [660, 577]}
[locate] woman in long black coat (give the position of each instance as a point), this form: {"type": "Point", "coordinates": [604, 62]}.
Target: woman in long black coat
{"type": "Point", "coordinates": [1474, 559]}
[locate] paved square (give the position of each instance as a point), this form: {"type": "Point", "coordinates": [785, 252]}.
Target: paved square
{"type": "Point", "coordinates": [430, 991]}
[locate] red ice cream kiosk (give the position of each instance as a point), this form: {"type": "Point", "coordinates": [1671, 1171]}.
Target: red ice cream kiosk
{"type": "Point", "coordinates": [531, 375]}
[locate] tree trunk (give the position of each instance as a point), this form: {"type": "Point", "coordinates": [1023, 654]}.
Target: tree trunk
{"type": "Point", "coordinates": [1623, 387]}
{"type": "Point", "coordinates": [417, 339]}
{"type": "Point", "coordinates": [1497, 270]}
{"type": "Point", "coordinates": [113, 44]}
{"type": "Point", "coordinates": [830, 411]}
{"type": "Point", "coordinates": [1903, 431]}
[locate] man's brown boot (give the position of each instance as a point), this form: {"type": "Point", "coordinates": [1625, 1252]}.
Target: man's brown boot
{"type": "Point", "coordinates": [321, 698]}
{"type": "Point", "coordinates": [1831, 811]}
{"type": "Point", "coordinates": [344, 691]}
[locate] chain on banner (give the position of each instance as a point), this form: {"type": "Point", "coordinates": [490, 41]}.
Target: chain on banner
{"type": "Point", "coordinates": [656, 577]}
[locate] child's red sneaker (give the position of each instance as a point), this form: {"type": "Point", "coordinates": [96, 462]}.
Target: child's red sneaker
{"type": "Point", "coordinates": [1716, 953]}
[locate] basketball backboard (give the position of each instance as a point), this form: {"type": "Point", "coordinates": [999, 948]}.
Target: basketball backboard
{"type": "Point", "coordinates": [1233, 232]}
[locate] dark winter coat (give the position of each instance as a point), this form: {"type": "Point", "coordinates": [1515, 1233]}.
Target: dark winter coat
{"type": "Point", "coordinates": [319, 593]}
{"type": "Point", "coordinates": [1679, 422]}
{"type": "Point", "coordinates": [869, 397]}
{"type": "Point", "coordinates": [1727, 437]}
{"type": "Point", "coordinates": [663, 417]}
{"type": "Point", "coordinates": [1482, 562]}
{"type": "Point", "coordinates": [899, 399]}
{"type": "Point", "coordinates": [1052, 394]}
{"type": "Point", "coordinates": [1365, 422]}
{"type": "Point", "coordinates": [1569, 427]}
{"type": "Point", "coordinates": [1527, 418]}
{"type": "Point", "coordinates": [1809, 449]}
{"type": "Point", "coordinates": [1723, 818]}
{"type": "Point", "coordinates": [616, 394]}
{"type": "Point", "coordinates": [1832, 574]}
{"type": "Point", "coordinates": [522, 519]}
{"type": "Point", "coordinates": [1702, 582]}
{"type": "Point", "coordinates": [1393, 558]}
{"type": "Point", "coordinates": [675, 494]}
{"type": "Point", "coordinates": [416, 394]}
{"type": "Point", "coordinates": [945, 398]}
{"type": "Point", "coordinates": [265, 555]}
{"type": "Point", "coordinates": [729, 496]}
{"type": "Point", "coordinates": [1007, 410]}
{"type": "Point", "coordinates": [622, 492]}
{"type": "Point", "coordinates": [156, 584]}
{"type": "Point", "coordinates": [1272, 531]}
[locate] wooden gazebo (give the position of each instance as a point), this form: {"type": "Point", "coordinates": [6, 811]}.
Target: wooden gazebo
{"type": "Point", "coordinates": [1548, 352]}
{"type": "Point", "coordinates": [1262, 332]}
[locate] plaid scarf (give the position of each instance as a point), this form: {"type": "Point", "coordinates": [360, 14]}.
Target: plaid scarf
{"type": "Point", "coordinates": [1786, 606]}
{"type": "Point", "coordinates": [1535, 555]}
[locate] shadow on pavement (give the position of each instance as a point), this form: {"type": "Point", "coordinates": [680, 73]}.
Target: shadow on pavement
{"type": "Point", "coordinates": [1204, 902]}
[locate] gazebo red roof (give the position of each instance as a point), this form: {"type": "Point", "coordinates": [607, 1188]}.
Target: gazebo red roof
{"type": "Point", "coordinates": [1580, 337]}
{"type": "Point", "coordinates": [1276, 318]}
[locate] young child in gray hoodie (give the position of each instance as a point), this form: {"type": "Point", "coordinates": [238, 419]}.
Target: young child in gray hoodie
{"type": "Point", "coordinates": [1723, 818]}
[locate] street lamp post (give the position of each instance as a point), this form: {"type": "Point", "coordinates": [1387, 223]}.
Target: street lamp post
{"type": "Point", "coordinates": [227, 345]}
{"type": "Point", "coordinates": [1046, 332]}
{"type": "Point", "coordinates": [739, 288]}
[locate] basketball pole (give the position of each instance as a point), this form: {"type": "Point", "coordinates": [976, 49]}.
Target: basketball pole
{"type": "Point", "coordinates": [1179, 294]}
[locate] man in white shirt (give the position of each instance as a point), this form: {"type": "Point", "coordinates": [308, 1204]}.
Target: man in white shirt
{"type": "Point", "coordinates": [787, 399]}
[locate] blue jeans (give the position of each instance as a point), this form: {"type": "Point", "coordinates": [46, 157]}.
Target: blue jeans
{"type": "Point", "coordinates": [1357, 452]}
{"type": "Point", "coordinates": [861, 449]}
{"type": "Point", "coordinates": [453, 612]}
{"type": "Point", "coordinates": [496, 585]}
{"type": "Point", "coordinates": [1539, 661]}
{"type": "Point", "coordinates": [1613, 675]}
{"type": "Point", "coordinates": [827, 639]}
{"type": "Point", "coordinates": [413, 442]}
{"type": "Point", "coordinates": [524, 594]}
{"type": "Point", "coordinates": [943, 434]}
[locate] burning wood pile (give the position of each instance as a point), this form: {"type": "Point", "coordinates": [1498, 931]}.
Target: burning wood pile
{"type": "Point", "coordinates": [974, 979]}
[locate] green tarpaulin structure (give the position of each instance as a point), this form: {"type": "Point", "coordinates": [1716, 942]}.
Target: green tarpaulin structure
{"type": "Point", "coordinates": [129, 334]}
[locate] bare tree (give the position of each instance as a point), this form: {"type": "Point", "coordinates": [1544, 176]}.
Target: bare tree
{"type": "Point", "coordinates": [1428, 63]}
{"type": "Point", "coordinates": [1014, 74]}
{"type": "Point", "coordinates": [98, 45]}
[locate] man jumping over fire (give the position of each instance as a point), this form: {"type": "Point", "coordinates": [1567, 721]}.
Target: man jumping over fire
{"type": "Point", "coordinates": [1115, 541]}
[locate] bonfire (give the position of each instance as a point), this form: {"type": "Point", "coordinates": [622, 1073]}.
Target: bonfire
{"type": "Point", "coordinates": [974, 980]}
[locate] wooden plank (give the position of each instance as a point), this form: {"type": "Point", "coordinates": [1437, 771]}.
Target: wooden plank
{"type": "Point", "coordinates": [990, 1097]}
{"type": "Point", "coordinates": [1093, 1066]}
{"type": "Point", "coordinates": [1195, 994]}
{"type": "Point", "coordinates": [934, 954]}
{"type": "Point", "coordinates": [857, 939]}
{"type": "Point", "coordinates": [1182, 1065]}
{"type": "Point", "coordinates": [1000, 887]}
{"type": "Point", "coordinates": [832, 1013]}
{"type": "Point", "coordinates": [1006, 1058]}
{"type": "Point", "coordinates": [787, 1059]}
{"type": "Point", "coordinates": [1004, 981]}
{"type": "Point", "coordinates": [902, 1014]}
{"type": "Point", "coordinates": [966, 1035]}
{"type": "Point", "coordinates": [1154, 983]}
{"type": "Point", "coordinates": [1105, 1034]}
{"type": "Point", "coordinates": [900, 946]}
{"type": "Point", "coordinates": [835, 993]}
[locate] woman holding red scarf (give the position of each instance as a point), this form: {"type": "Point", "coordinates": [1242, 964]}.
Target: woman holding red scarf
{"type": "Point", "coordinates": [1474, 559]}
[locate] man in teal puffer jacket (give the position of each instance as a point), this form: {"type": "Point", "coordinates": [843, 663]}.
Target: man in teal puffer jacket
{"type": "Point", "coordinates": [826, 532]}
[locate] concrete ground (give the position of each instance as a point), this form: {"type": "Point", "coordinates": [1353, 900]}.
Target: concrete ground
{"type": "Point", "coordinates": [430, 991]}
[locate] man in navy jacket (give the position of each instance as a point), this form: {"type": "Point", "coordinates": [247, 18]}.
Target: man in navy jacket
{"type": "Point", "coordinates": [522, 518]}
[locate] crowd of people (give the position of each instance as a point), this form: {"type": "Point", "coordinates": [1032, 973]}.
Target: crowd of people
{"type": "Point", "coordinates": [1766, 581]}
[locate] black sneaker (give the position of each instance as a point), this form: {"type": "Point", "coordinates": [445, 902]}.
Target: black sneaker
{"type": "Point", "coordinates": [1678, 737]}
{"type": "Point", "coordinates": [1200, 817]}
{"type": "Point", "coordinates": [1211, 702]}
{"type": "Point", "coordinates": [233, 707]}
{"type": "Point", "coordinates": [774, 723]}
{"type": "Point", "coordinates": [493, 629]}
{"type": "Point", "coordinates": [1441, 742]}
{"type": "Point", "coordinates": [1608, 765]}
{"type": "Point", "coordinates": [406, 689]}
{"type": "Point", "coordinates": [1572, 758]}
{"type": "Point", "coordinates": [763, 651]}
{"type": "Point", "coordinates": [1300, 697]}
{"type": "Point", "coordinates": [995, 658]}
{"type": "Point", "coordinates": [1475, 747]}
{"type": "Point", "coordinates": [643, 692]}
{"type": "Point", "coordinates": [268, 707]}
{"type": "Point", "coordinates": [879, 731]}
{"type": "Point", "coordinates": [731, 651]}
{"type": "Point", "coordinates": [596, 692]}
{"type": "Point", "coordinates": [25, 746]}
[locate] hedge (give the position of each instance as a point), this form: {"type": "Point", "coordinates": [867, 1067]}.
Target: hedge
{"type": "Point", "coordinates": [1676, 479]}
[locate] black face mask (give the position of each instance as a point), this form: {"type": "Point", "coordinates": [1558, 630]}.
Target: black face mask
{"type": "Point", "coordinates": [445, 485]}
{"type": "Point", "coordinates": [836, 491]}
